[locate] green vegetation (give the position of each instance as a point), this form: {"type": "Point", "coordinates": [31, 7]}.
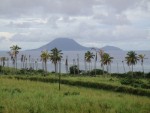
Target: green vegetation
{"type": "Point", "coordinates": [19, 96]}
{"type": "Point", "coordinates": [14, 51]}
{"type": "Point", "coordinates": [92, 90]}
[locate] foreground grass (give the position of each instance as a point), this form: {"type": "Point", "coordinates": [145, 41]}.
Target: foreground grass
{"type": "Point", "coordinates": [17, 96]}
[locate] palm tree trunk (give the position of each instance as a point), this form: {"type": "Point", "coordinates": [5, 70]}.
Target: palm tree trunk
{"type": "Point", "coordinates": [132, 70]}
{"type": "Point", "coordinates": [89, 68]}
{"type": "Point", "coordinates": [46, 66]}
{"type": "Point", "coordinates": [117, 68]}
{"type": "Point", "coordinates": [129, 68]}
{"type": "Point", "coordinates": [59, 73]}
{"type": "Point", "coordinates": [55, 67]}
{"type": "Point", "coordinates": [110, 69]}
{"type": "Point", "coordinates": [143, 70]}
{"type": "Point", "coordinates": [78, 63]}
{"type": "Point", "coordinates": [43, 66]}
{"type": "Point", "coordinates": [124, 67]}
{"type": "Point", "coordinates": [85, 65]}
{"type": "Point", "coordinates": [95, 67]}
{"type": "Point", "coordinates": [103, 68]}
{"type": "Point", "coordinates": [7, 62]}
{"type": "Point", "coordinates": [16, 62]}
{"type": "Point", "coordinates": [107, 68]}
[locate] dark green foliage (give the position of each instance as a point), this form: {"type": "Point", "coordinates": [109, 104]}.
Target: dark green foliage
{"type": "Point", "coordinates": [1, 109]}
{"type": "Point", "coordinates": [135, 83]}
{"type": "Point", "coordinates": [110, 87]}
{"type": "Point", "coordinates": [137, 74]}
{"type": "Point", "coordinates": [11, 71]}
{"type": "Point", "coordinates": [97, 71]}
{"type": "Point", "coordinates": [74, 69]}
{"type": "Point", "coordinates": [119, 75]}
{"type": "Point", "coordinates": [71, 93]}
{"type": "Point", "coordinates": [147, 75]}
{"type": "Point", "coordinates": [0, 69]}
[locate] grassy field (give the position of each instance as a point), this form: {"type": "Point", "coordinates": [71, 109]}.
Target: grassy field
{"type": "Point", "coordinates": [18, 96]}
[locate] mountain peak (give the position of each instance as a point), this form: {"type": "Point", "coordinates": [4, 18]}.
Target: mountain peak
{"type": "Point", "coordinates": [65, 44]}
{"type": "Point", "coordinates": [68, 44]}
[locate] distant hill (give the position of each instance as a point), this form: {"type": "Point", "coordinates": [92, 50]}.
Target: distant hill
{"type": "Point", "coordinates": [67, 44]}
{"type": "Point", "coordinates": [64, 44]}
{"type": "Point", "coordinates": [111, 48]}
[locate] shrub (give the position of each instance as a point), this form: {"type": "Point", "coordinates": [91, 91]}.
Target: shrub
{"type": "Point", "coordinates": [120, 75]}
{"type": "Point", "coordinates": [0, 68]}
{"type": "Point", "coordinates": [98, 72]}
{"type": "Point", "coordinates": [135, 83]}
{"type": "Point", "coordinates": [147, 75]}
{"type": "Point", "coordinates": [74, 69]}
{"type": "Point", "coordinates": [122, 89]}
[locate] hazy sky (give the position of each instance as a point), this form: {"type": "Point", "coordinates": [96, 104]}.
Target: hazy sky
{"type": "Point", "coordinates": [32, 23]}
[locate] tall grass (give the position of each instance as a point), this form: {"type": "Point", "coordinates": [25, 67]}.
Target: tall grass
{"type": "Point", "coordinates": [17, 96]}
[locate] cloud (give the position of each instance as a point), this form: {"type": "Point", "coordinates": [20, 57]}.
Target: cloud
{"type": "Point", "coordinates": [112, 19]}
{"type": "Point", "coordinates": [30, 37]}
{"type": "Point", "coordinates": [2, 38]}
{"type": "Point", "coordinates": [40, 7]}
{"type": "Point", "coordinates": [87, 21]}
{"type": "Point", "coordinates": [121, 5]}
{"type": "Point", "coordinates": [19, 25]}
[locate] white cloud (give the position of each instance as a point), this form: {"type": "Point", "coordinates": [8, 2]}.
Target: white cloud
{"type": "Point", "coordinates": [90, 22]}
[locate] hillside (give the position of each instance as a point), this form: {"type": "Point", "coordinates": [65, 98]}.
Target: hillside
{"type": "Point", "coordinates": [64, 44]}
{"type": "Point", "coordinates": [111, 48]}
{"type": "Point", "coordinates": [67, 44]}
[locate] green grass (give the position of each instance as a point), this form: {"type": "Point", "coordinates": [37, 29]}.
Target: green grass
{"type": "Point", "coordinates": [18, 96]}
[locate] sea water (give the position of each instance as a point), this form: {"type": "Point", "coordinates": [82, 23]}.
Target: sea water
{"type": "Point", "coordinates": [117, 66]}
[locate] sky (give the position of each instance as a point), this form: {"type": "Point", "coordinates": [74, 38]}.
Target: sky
{"type": "Point", "coordinates": [92, 23]}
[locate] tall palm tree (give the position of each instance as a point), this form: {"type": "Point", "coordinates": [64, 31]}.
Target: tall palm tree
{"type": "Point", "coordinates": [95, 59]}
{"type": "Point", "coordinates": [3, 59]}
{"type": "Point", "coordinates": [131, 59]}
{"type": "Point", "coordinates": [55, 57]}
{"type": "Point", "coordinates": [66, 64]}
{"type": "Point", "coordinates": [12, 58]}
{"type": "Point", "coordinates": [44, 57]}
{"type": "Point", "coordinates": [15, 50]}
{"type": "Point", "coordinates": [88, 56]}
{"type": "Point", "coordinates": [107, 60]}
{"type": "Point", "coordinates": [141, 58]}
{"type": "Point", "coordinates": [101, 53]}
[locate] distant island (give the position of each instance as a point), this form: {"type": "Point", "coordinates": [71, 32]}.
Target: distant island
{"type": "Point", "coordinates": [67, 44]}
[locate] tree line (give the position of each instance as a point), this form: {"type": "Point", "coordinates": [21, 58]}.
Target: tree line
{"type": "Point", "coordinates": [55, 56]}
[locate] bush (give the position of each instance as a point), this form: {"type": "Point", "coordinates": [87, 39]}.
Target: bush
{"type": "Point", "coordinates": [74, 69]}
{"type": "Point", "coordinates": [122, 89]}
{"type": "Point", "coordinates": [0, 68]}
{"type": "Point", "coordinates": [147, 75]}
{"type": "Point", "coordinates": [120, 75]}
{"type": "Point", "coordinates": [135, 83]}
{"type": "Point", "coordinates": [98, 72]}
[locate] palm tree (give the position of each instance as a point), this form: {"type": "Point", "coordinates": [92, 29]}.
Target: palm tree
{"type": "Point", "coordinates": [95, 59]}
{"type": "Point", "coordinates": [15, 50]}
{"type": "Point", "coordinates": [131, 59]}
{"type": "Point", "coordinates": [3, 59]}
{"type": "Point", "coordinates": [141, 58]}
{"type": "Point", "coordinates": [66, 64]}
{"type": "Point", "coordinates": [12, 58]}
{"type": "Point", "coordinates": [107, 60]}
{"type": "Point", "coordinates": [44, 57]}
{"type": "Point", "coordinates": [101, 53]}
{"type": "Point", "coordinates": [88, 56]}
{"type": "Point", "coordinates": [55, 56]}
